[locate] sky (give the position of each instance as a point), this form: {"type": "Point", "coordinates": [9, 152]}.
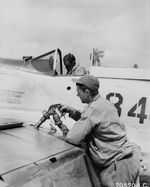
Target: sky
{"type": "Point", "coordinates": [119, 27]}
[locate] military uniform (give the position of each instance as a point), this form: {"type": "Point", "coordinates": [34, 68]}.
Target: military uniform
{"type": "Point", "coordinates": [78, 70]}
{"type": "Point", "coordinates": [115, 158]}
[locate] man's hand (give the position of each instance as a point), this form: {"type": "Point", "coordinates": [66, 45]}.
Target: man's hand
{"type": "Point", "coordinates": [73, 113]}
{"type": "Point", "coordinates": [67, 109]}
{"type": "Point", "coordinates": [59, 123]}
{"type": "Point", "coordinates": [56, 118]}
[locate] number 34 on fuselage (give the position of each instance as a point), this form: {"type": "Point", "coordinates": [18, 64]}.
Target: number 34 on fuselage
{"type": "Point", "coordinates": [129, 90]}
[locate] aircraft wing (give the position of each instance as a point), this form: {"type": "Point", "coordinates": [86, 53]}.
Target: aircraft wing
{"type": "Point", "coordinates": [30, 157]}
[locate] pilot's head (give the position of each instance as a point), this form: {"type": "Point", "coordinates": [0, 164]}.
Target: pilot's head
{"type": "Point", "coordinates": [69, 61]}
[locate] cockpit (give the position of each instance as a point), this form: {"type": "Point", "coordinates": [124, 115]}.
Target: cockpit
{"type": "Point", "coordinates": [49, 63]}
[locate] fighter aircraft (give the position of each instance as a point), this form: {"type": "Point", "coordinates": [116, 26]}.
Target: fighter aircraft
{"type": "Point", "coordinates": [36, 158]}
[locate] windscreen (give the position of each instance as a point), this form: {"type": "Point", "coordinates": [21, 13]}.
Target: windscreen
{"type": "Point", "coordinates": [49, 63]}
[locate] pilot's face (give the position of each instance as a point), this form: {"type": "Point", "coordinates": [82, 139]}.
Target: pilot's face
{"type": "Point", "coordinates": [68, 66]}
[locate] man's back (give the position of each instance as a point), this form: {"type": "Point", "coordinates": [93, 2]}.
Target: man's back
{"type": "Point", "coordinates": [108, 140]}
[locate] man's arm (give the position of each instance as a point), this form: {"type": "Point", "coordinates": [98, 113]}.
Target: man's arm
{"type": "Point", "coordinates": [79, 131]}
{"type": "Point", "coordinates": [73, 113]}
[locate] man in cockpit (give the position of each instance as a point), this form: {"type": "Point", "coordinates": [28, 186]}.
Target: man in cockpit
{"type": "Point", "coordinates": [71, 67]}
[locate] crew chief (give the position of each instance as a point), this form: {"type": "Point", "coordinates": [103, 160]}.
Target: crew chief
{"type": "Point", "coordinates": [116, 160]}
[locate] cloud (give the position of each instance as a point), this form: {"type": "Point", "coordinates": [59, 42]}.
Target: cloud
{"type": "Point", "coordinates": [119, 27]}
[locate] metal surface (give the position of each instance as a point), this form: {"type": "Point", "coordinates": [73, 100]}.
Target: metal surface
{"type": "Point", "coordinates": [31, 157]}
{"type": "Point", "coordinates": [6, 123]}
{"type": "Point", "coordinates": [22, 146]}
{"type": "Point", "coordinates": [65, 170]}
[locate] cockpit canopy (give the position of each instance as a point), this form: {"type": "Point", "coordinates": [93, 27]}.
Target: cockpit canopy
{"type": "Point", "coordinates": [49, 63]}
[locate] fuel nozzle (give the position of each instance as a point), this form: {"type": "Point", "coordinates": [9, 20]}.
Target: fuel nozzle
{"type": "Point", "coordinates": [60, 124]}
{"type": "Point", "coordinates": [52, 112]}
{"type": "Point", "coordinates": [46, 115]}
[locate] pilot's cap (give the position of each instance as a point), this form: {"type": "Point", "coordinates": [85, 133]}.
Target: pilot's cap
{"type": "Point", "coordinates": [89, 81]}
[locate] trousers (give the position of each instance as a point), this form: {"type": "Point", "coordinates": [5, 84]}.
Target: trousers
{"type": "Point", "coordinates": [122, 173]}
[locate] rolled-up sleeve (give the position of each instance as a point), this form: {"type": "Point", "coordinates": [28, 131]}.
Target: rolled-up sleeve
{"type": "Point", "coordinates": [75, 114]}
{"type": "Point", "coordinates": [80, 129]}
{"type": "Point", "coordinates": [89, 118]}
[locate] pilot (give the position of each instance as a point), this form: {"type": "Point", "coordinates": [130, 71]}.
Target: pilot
{"type": "Point", "coordinates": [115, 159]}
{"type": "Point", "coordinates": [71, 67]}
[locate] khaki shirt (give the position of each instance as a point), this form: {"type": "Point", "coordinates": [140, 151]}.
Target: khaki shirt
{"type": "Point", "coordinates": [78, 70]}
{"type": "Point", "coordinates": [105, 134]}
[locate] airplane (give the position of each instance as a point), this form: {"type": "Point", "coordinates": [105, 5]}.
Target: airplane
{"type": "Point", "coordinates": [38, 158]}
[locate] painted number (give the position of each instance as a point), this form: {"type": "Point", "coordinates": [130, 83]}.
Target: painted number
{"type": "Point", "coordinates": [141, 105]}
{"type": "Point", "coordinates": [120, 101]}
{"type": "Point", "coordinates": [141, 115]}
